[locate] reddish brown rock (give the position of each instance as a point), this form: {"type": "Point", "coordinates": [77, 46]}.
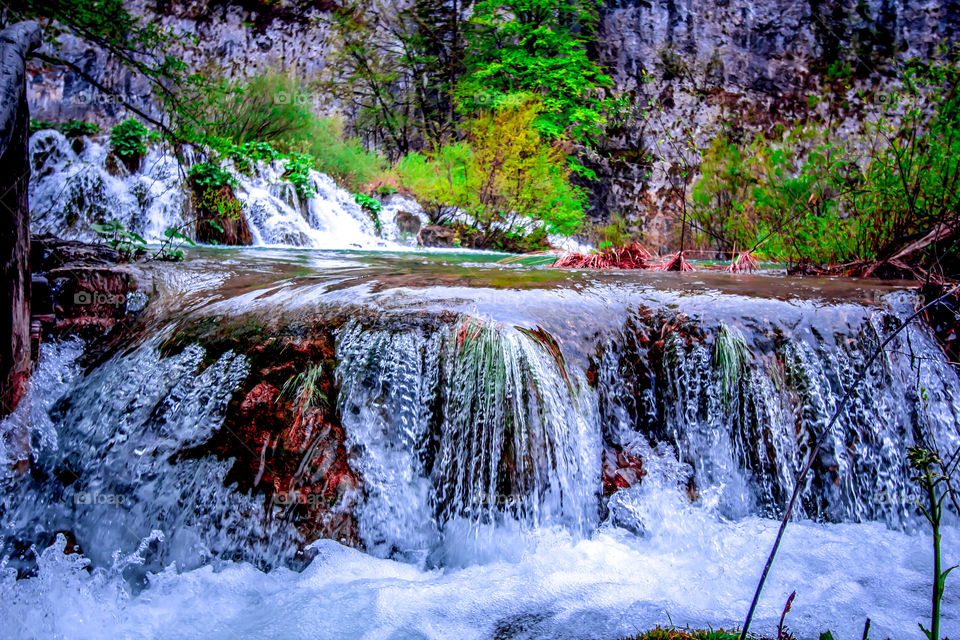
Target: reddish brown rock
{"type": "Point", "coordinates": [220, 218]}
{"type": "Point", "coordinates": [290, 450]}
{"type": "Point", "coordinates": [621, 470]}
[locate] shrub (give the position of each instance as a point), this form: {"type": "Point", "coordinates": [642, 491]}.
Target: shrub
{"type": "Point", "coordinates": [77, 128]}
{"type": "Point", "coordinates": [341, 157]}
{"type": "Point", "coordinates": [514, 174]}
{"type": "Point", "coordinates": [298, 173]}
{"type": "Point", "coordinates": [40, 125]}
{"type": "Point", "coordinates": [127, 140]}
{"type": "Point", "coordinates": [210, 176]}
{"type": "Point", "coordinates": [438, 179]}
{"type": "Point", "coordinates": [264, 109]}
{"type": "Point", "coordinates": [506, 178]}
{"type": "Point", "coordinates": [372, 206]}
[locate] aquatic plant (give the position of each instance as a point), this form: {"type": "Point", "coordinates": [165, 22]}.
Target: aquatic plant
{"type": "Point", "coordinates": [632, 256]}
{"type": "Point", "coordinates": [304, 390]}
{"type": "Point", "coordinates": [731, 356]}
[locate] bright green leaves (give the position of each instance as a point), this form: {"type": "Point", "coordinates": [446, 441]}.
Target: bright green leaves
{"type": "Point", "coordinates": [537, 47]}
{"type": "Point", "coordinates": [128, 139]}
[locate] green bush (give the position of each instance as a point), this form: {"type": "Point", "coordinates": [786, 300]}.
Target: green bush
{"type": "Point", "coordinates": [77, 128]}
{"type": "Point", "coordinates": [40, 125]}
{"type": "Point", "coordinates": [264, 109]}
{"type": "Point", "coordinates": [437, 179]}
{"type": "Point", "coordinates": [504, 177]}
{"type": "Point", "coordinates": [127, 139]}
{"type": "Point", "coordinates": [207, 175]}
{"type": "Point", "coordinates": [373, 208]}
{"type": "Point", "coordinates": [298, 173]}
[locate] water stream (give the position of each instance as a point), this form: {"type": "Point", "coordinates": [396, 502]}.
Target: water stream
{"type": "Point", "coordinates": [543, 454]}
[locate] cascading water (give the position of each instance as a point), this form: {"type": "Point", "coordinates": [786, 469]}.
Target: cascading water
{"type": "Point", "coordinates": [585, 459]}
{"type": "Point", "coordinates": [76, 183]}
{"type": "Point", "coordinates": [463, 427]}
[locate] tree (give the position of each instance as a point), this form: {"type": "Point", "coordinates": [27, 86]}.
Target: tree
{"type": "Point", "coordinates": [396, 65]}
{"type": "Point", "coordinates": [507, 179]}
{"type": "Point", "coordinates": [141, 46]}
{"type": "Point", "coordinates": [537, 47]}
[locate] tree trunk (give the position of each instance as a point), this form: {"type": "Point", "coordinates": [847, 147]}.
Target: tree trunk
{"type": "Point", "coordinates": [16, 43]}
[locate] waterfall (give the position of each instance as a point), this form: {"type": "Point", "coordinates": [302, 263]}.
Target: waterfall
{"type": "Point", "coordinates": [78, 182]}
{"type": "Point", "coordinates": [465, 426]}
{"type": "Point", "coordinates": [531, 461]}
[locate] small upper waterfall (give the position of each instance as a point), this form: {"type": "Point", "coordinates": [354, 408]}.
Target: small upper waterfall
{"type": "Point", "coordinates": [78, 182]}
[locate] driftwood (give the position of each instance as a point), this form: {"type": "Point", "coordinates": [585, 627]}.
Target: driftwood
{"type": "Point", "coordinates": [907, 259]}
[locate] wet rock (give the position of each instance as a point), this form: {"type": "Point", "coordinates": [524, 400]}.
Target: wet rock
{"type": "Point", "coordinates": [220, 218]}
{"type": "Point", "coordinates": [82, 289]}
{"type": "Point", "coordinates": [115, 166]}
{"type": "Point", "coordinates": [621, 470]}
{"type": "Point", "coordinates": [407, 222]}
{"type": "Point", "coordinates": [283, 433]}
{"type": "Point", "coordinates": [435, 235]}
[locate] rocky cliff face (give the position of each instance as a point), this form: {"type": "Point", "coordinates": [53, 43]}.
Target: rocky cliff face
{"type": "Point", "coordinates": [754, 62]}
{"type": "Point", "coordinates": [231, 39]}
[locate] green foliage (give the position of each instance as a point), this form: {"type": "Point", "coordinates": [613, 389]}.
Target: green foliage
{"type": "Point", "coordinates": [297, 172]}
{"type": "Point", "coordinates": [118, 237]}
{"type": "Point", "coordinates": [517, 48]}
{"type": "Point", "coordinates": [370, 204]}
{"type": "Point", "coordinates": [438, 179]}
{"type": "Point", "coordinates": [399, 87]}
{"type": "Point", "coordinates": [934, 480]}
{"type": "Point", "coordinates": [506, 178]}
{"type": "Point", "coordinates": [40, 125]}
{"type": "Point", "coordinates": [343, 158]}
{"type": "Point", "coordinates": [809, 195]}
{"type": "Point", "coordinates": [514, 173]}
{"type": "Point", "coordinates": [373, 208]}
{"type": "Point", "coordinates": [661, 633]}
{"type": "Point", "coordinates": [127, 139]}
{"type": "Point", "coordinates": [77, 128]}
{"type": "Point", "coordinates": [207, 175]}
{"type": "Point", "coordinates": [268, 108]}
{"type": "Point", "coordinates": [173, 239]}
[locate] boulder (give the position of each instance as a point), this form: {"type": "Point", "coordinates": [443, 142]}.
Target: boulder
{"type": "Point", "coordinates": [436, 235]}
{"type": "Point", "coordinates": [407, 222]}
